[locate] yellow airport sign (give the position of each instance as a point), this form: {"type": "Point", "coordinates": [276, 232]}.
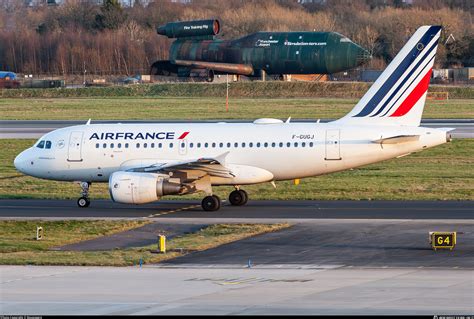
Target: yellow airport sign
{"type": "Point", "coordinates": [443, 240]}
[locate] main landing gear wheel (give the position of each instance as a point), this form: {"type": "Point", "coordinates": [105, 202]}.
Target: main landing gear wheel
{"type": "Point", "coordinates": [84, 200]}
{"type": "Point", "coordinates": [238, 197]}
{"type": "Point", "coordinates": [211, 203]}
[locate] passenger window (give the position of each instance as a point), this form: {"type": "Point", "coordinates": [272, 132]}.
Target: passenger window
{"type": "Point", "coordinates": [288, 144]}
{"type": "Point", "coordinates": [104, 145]}
{"type": "Point", "coordinates": [303, 144]}
{"type": "Point", "coordinates": [250, 144]}
{"type": "Point", "coordinates": [296, 144]}
{"type": "Point", "coordinates": [112, 145]}
{"type": "Point", "coordinates": [145, 145]}
{"type": "Point", "coordinates": [138, 145]}
{"type": "Point", "coordinates": [243, 144]}
{"type": "Point", "coordinates": [160, 145]}
{"type": "Point", "coordinates": [258, 144]}
{"type": "Point", "coordinates": [206, 144]}
{"type": "Point", "coordinates": [221, 144]}
{"type": "Point", "coordinates": [228, 144]}
{"type": "Point", "coordinates": [273, 144]}
{"type": "Point", "coordinates": [40, 144]}
{"type": "Point", "coordinates": [281, 144]}
{"type": "Point", "coordinates": [171, 145]}
{"type": "Point", "coordinates": [236, 145]}
{"type": "Point", "coordinates": [191, 145]}
{"type": "Point", "coordinates": [213, 144]}
{"type": "Point", "coordinates": [265, 144]}
{"type": "Point", "coordinates": [48, 144]}
{"type": "Point", "coordinates": [183, 145]}
{"type": "Point", "coordinates": [97, 145]}
{"type": "Point", "coordinates": [126, 145]}
{"type": "Point", "coordinates": [152, 145]}
{"type": "Point", "coordinates": [119, 145]}
{"type": "Point", "coordinates": [311, 144]}
{"type": "Point", "coordinates": [198, 145]}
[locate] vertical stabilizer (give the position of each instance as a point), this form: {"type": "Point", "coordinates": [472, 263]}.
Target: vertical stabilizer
{"type": "Point", "coordinates": [398, 96]}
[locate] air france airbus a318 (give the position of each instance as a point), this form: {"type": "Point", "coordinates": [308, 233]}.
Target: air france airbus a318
{"type": "Point", "coordinates": [144, 162]}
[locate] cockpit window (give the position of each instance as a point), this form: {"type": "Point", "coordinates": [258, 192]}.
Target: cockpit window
{"type": "Point", "coordinates": [48, 144]}
{"type": "Point", "coordinates": [40, 144]}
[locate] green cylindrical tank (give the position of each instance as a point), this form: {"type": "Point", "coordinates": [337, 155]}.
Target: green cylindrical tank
{"type": "Point", "coordinates": [185, 29]}
{"type": "Point", "coordinates": [277, 52]}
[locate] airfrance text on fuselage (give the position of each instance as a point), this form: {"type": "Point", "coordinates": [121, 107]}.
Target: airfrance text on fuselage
{"type": "Point", "coordinates": [133, 136]}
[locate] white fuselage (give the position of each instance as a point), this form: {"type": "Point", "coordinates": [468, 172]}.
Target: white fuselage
{"type": "Point", "coordinates": [254, 152]}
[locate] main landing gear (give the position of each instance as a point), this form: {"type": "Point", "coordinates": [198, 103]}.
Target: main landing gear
{"type": "Point", "coordinates": [211, 203]}
{"type": "Point", "coordinates": [84, 200]}
{"type": "Point", "coordinates": [238, 197]}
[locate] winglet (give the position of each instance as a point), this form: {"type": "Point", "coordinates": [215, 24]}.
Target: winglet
{"type": "Point", "coordinates": [288, 120]}
{"type": "Point", "coordinates": [88, 122]}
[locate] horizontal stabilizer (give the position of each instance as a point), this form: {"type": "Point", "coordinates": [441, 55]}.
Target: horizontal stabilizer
{"type": "Point", "coordinates": [397, 139]}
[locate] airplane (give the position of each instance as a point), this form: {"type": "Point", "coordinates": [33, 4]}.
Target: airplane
{"type": "Point", "coordinates": [144, 162]}
{"type": "Point", "coordinates": [197, 53]}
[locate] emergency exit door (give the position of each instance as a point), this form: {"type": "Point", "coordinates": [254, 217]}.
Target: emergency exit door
{"type": "Point", "coordinates": [75, 147]}
{"type": "Point", "coordinates": [333, 147]}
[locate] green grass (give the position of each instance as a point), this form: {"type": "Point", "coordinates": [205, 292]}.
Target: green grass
{"type": "Point", "coordinates": [130, 108]}
{"type": "Point", "coordinates": [254, 89]}
{"type": "Point", "coordinates": [445, 172]}
{"type": "Point", "coordinates": [18, 245]}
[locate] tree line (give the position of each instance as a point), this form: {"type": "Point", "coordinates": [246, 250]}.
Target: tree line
{"type": "Point", "coordinates": [110, 39]}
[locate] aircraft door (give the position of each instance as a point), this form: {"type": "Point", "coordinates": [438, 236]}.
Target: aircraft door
{"type": "Point", "coordinates": [183, 147]}
{"type": "Point", "coordinates": [75, 147]}
{"type": "Point", "coordinates": [333, 148]}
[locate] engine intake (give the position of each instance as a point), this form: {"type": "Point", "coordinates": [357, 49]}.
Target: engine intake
{"type": "Point", "coordinates": [195, 28]}
{"type": "Point", "coordinates": [140, 188]}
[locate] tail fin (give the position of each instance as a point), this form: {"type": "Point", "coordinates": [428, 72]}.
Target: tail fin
{"type": "Point", "coordinates": [398, 96]}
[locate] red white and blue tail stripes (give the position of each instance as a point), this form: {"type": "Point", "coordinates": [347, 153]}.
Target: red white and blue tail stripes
{"type": "Point", "coordinates": [403, 84]}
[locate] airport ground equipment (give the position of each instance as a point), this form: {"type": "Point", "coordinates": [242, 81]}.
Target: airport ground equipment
{"type": "Point", "coordinates": [196, 52]}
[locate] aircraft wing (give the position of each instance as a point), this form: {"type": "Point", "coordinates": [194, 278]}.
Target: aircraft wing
{"type": "Point", "coordinates": [205, 166]}
{"type": "Point", "coordinates": [235, 68]}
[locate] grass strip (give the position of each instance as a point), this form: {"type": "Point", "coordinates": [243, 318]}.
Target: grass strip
{"type": "Point", "coordinates": [202, 108]}
{"type": "Point", "coordinates": [19, 247]}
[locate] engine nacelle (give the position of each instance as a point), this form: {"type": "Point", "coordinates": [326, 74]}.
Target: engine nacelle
{"type": "Point", "coordinates": [196, 28]}
{"type": "Point", "coordinates": [140, 188]}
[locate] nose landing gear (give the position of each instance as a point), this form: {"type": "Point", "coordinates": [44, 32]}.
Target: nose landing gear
{"type": "Point", "coordinates": [84, 200]}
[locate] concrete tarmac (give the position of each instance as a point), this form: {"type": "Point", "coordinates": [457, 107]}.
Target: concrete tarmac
{"type": "Point", "coordinates": [464, 128]}
{"type": "Point", "coordinates": [325, 290]}
{"type": "Point", "coordinates": [272, 210]}
{"type": "Point", "coordinates": [338, 257]}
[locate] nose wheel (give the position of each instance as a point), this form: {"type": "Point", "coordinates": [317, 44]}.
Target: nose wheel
{"type": "Point", "coordinates": [238, 197]}
{"type": "Point", "coordinates": [84, 200]}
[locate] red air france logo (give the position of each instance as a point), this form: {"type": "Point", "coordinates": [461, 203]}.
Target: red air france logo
{"type": "Point", "coordinates": [183, 135]}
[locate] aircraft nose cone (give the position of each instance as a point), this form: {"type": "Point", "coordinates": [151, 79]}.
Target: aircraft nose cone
{"type": "Point", "coordinates": [20, 162]}
{"type": "Point", "coordinates": [362, 55]}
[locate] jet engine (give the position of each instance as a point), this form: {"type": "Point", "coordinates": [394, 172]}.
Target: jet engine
{"type": "Point", "coordinates": [140, 188]}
